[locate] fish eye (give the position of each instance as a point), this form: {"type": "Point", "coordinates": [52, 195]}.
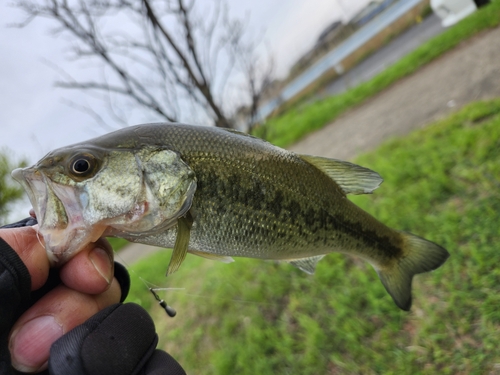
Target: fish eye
{"type": "Point", "coordinates": [82, 165]}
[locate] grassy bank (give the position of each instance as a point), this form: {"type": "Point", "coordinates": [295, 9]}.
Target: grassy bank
{"type": "Point", "coordinates": [256, 317]}
{"type": "Point", "coordinates": [294, 124]}
{"type": "Point", "coordinates": [117, 243]}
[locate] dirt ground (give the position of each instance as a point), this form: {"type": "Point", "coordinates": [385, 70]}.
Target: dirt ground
{"type": "Point", "coordinates": [469, 72]}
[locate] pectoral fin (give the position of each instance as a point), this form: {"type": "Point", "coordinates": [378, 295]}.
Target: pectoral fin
{"type": "Point", "coordinates": [352, 178]}
{"type": "Point", "coordinates": [308, 265]}
{"type": "Point", "coordinates": [181, 243]}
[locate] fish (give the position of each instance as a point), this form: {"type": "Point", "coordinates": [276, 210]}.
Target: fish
{"type": "Point", "coordinates": [217, 193]}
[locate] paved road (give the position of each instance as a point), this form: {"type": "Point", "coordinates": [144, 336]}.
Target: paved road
{"type": "Point", "coordinates": [387, 55]}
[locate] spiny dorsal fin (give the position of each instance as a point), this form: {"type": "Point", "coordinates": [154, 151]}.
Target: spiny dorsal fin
{"type": "Point", "coordinates": [352, 178]}
{"type": "Point", "coordinates": [181, 243]}
{"type": "Point", "coordinates": [308, 265]}
{"type": "Point", "coordinates": [220, 258]}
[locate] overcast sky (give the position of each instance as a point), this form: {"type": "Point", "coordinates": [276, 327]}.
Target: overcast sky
{"type": "Point", "coordinates": [34, 118]}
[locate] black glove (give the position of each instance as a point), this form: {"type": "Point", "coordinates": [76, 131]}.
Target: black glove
{"type": "Point", "coordinates": [120, 339]}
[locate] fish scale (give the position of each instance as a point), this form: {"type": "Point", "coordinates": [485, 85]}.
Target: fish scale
{"type": "Point", "coordinates": [219, 193]}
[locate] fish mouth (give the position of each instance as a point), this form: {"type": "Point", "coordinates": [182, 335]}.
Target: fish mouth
{"type": "Point", "coordinates": [32, 182]}
{"type": "Point", "coordinates": [59, 215]}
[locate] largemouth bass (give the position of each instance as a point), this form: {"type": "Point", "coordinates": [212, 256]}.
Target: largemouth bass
{"type": "Point", "coordinates": [217, 193]}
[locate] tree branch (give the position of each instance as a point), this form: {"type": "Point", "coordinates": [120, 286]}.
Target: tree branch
{"type": "Point", "coordinates": [160, 69]}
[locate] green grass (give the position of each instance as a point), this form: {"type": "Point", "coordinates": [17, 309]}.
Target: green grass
{"type": "Point", "coordinates": [297, 122]}
{"type": "Point", "coordinates": [256, 317]}
{"type": "Point", "coordinates": [117, 243]}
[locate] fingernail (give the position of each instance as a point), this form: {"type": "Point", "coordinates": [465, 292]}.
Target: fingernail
{"type": "Point", "coordinates": [30, 344]}
{"type": "Point", "coordinates": [102, 263]}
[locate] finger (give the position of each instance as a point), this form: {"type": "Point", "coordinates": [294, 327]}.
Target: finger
{"type": "Point", "coordinates": [91, 270]}
{"type": "Point", "coordinates": [29, 245]}
{"type": "Point", "coordinates": [56, 313]}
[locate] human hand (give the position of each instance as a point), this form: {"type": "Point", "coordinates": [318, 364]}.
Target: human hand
{"type": "Point", "coordinates": [118, 339]}
{"type": "Point", "coordinates": [31, 322]}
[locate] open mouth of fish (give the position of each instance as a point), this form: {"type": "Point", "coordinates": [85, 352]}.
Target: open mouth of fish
{"type": "Point", "coordinates": [59, 215]}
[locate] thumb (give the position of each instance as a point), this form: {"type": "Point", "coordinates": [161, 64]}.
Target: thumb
{"type": "Point", "coordinates": [29, 245]}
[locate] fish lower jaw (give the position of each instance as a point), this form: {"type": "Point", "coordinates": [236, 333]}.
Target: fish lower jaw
{"type": "Point", "coordinates": [62, 245]}
{"type": "Point", "coordinates": [53, 258]}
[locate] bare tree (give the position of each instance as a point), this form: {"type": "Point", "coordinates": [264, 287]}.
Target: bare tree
{"type": "Point", "coordinates": [258, 80]}
{"type": "Point", "coordinates": [163, 55]}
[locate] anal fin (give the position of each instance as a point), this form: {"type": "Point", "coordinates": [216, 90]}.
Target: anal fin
{"type": "Point", "coordinates": [308, 265]}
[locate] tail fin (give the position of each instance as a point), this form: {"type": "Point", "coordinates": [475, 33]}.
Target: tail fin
{"type": "Point", "coordinates": [419, 256]}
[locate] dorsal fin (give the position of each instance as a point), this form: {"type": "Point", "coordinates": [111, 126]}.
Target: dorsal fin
{"type": "Point", "coordinates": [352, 178]}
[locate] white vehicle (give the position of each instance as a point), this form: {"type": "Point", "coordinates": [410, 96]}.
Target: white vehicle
{"type": "Point", "coordinates": [452, 11]}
